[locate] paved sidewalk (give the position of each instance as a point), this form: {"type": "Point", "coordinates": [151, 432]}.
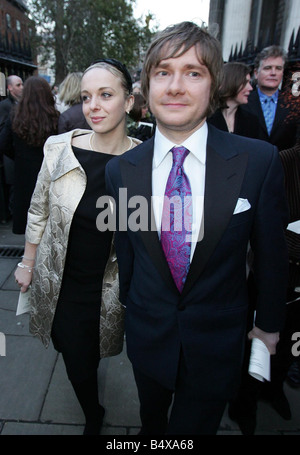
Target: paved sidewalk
{"type": "Point", "coordinates": [37, 399]}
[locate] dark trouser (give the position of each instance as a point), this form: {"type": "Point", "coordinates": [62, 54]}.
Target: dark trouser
{"type": "Point", "coordinates": [87, 395]}
{"type": "Point", "coordinates": [4, 213]}
{"type": "Point", "coordinates": [9, 176]}
{"type": "Point", "coordinates": [191, 413]}
{"type": "Point", "coordinates": [283, 358]}
{"type": "Point", "coordinates": [250, 388]}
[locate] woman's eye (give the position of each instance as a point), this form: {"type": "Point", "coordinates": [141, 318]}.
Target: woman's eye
{"type": "Point", "coordinates": [85, 98]}
{"type": "Point", "coordinates": [106, 95]}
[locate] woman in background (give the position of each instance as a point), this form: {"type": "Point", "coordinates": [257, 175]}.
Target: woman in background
{"type": "Point", "coordinates": [70, 96]}
{"type": "Point", "coordinates": [140, 122]}
{"type": "Point", "coordinates": [33, 120]}
{"type": "Point", "coordinates": [234, 91]}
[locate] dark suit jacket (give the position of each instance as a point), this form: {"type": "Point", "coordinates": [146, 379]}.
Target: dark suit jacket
{"type": "Point", "coordinates": [291, 164]}
{"type": "Point", "coordinates": [284, 130]}
{"type": "Point", "coordinates": [5, 111]}
{"type": "Point", "coordinates": [208, 320]}
{"type": "Point", "coordinates": [246, 124]}
{"type": "Point", "coordinates": [5, 108]}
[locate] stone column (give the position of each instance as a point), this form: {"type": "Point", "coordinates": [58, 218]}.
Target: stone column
{"type": "Point", "coordinates": [235, 25]}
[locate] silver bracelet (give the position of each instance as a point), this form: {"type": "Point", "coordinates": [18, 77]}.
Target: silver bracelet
{"type": "Point", "coordinates": [24, 266]}
{"type": "Point", "coordinates": [28, 259]}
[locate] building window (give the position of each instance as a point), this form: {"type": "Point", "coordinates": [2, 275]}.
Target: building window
{"type": "Point", "coordinates": [18, 25]}
{"type": "Point", "coordinates": [8, 20]}
{"type": "Point", "coordinates": [2, 84]}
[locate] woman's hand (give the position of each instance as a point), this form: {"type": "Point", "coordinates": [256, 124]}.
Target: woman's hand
{"type": "Point", "coordinates": [23, 276]}
{"type": "Point", "coordinates": [23, 273]}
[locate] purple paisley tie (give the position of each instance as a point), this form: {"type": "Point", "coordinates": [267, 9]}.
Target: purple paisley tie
{"type": "Point", "coordinates": [177, 219]}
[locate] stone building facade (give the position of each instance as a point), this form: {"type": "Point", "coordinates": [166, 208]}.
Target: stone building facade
{"type": "Point", "coordinates": [15, 30]}
{"type": "Point", "coordinates": [244, 27]}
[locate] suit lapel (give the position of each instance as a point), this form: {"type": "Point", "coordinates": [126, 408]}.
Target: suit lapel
{"type": "Point", "coordinates": [224, 177]}
{"type": "Point", "coordinates": [280, 114]}
{"type": "Point", "coordinates": [137, 178]}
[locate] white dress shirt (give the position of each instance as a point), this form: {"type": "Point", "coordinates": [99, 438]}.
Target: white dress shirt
{"type": "Point", "coordinates": [194, 167]}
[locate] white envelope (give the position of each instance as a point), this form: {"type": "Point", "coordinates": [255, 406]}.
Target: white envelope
{"type": "Point", "coordinates": [241, 206]}
{"type": "Point", "coordinates": [23, 302]}
{"type": "Point", "coordinates": [260, 361]}
{"type": "Point", "coordinates": [294, 227]}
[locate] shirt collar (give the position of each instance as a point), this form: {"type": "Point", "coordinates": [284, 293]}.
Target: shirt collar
{"type": "Point", "coordinates": [263, 96]}
{"type": "Point", "coordinates": [196, 144]}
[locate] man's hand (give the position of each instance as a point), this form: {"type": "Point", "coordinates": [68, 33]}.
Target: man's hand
{"type": "Point", "coordinates": [269, 339]}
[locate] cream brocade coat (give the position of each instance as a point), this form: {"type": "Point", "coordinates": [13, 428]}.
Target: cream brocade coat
{"type": "Point", "coordinates": [59, 189]}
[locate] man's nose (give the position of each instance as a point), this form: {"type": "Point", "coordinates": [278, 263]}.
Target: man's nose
{"type": "Point", "coordinates": [176, 84]}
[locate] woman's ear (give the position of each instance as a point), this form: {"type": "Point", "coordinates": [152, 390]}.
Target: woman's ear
{"type": "Point", "coordinates": [129, 103]}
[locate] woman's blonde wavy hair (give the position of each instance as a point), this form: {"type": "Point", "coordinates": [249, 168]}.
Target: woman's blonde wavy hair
{"type": "Point", "coordinates": [69, 89]}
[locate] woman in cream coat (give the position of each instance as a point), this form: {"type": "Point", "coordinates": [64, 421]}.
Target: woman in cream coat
{"type": "Point", "coordinates": [68, 262]}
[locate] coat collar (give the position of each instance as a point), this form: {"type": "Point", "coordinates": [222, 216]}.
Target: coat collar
{"type": "Point", "coordinates": [223, 181]}
{"type": "Point", "coordinates": [225, 169]}
{"type": "Point", "coordinates": [59, 155]}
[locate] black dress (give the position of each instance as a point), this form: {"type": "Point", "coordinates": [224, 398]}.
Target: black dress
{"type": "Point", "coordinates": [75, 330]}
{"type": "Point", "coordinates": [246, 124]}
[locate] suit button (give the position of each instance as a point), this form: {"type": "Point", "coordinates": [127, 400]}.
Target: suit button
{"type": "Point", "coordinates": [181, 306]}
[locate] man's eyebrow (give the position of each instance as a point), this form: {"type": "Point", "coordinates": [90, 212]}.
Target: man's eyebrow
{"type": "Point", "coordinates": [165, 64]}
{"type": "Point", "coordinates": [198, 65]}
{"type": "Point", "coordinates": [270, 66]}
{"type": "Point", "coordinates": [162, 64]}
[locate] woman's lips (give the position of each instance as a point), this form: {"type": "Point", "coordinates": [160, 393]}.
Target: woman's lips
{"type": "Point", "coordinates": [97, 119]}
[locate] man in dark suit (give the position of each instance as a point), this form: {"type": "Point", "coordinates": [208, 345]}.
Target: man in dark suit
{"type": "Point", "coordinates": [278, 126]}
{"type": "Point", "coordinates": [14, 88]}
{"type": "Point", "coordinates": [184, 286]}
{"type": "Point", "coordinates": [266, 101]}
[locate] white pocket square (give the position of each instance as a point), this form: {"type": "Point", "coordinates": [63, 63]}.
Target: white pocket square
{"type": "Point", "coordinates": [241, 206]}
